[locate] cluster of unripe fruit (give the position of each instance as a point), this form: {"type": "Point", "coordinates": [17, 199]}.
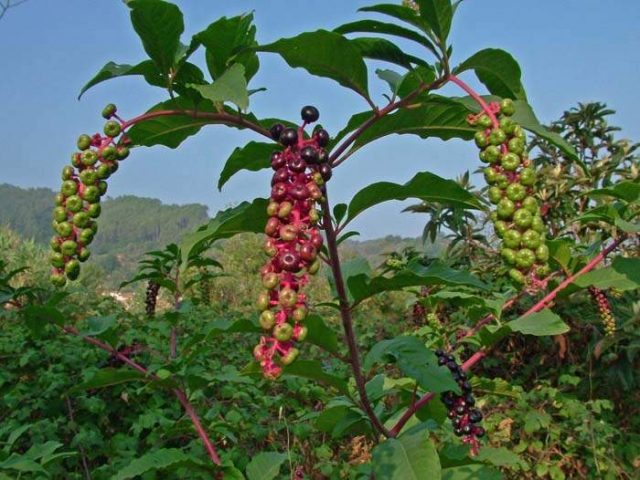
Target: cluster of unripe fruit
{"type": "Point", "coordinates": [465, 418]}
{"type": "Point", "coordinates": [512, 178]}
{"type": "Point", "coordinates": [78, 202]}
{"type": "Point", "coordinates": [608, 320]}
{"type": "Point", "coordinates": [293, 241]}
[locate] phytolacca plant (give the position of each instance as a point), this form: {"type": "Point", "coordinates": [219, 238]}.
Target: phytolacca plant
{"type": "Point", "coordinates": [293, 240]}
{"type": "Point", "coordinates": [299, 206]}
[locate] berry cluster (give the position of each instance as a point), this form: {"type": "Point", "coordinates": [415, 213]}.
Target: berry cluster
{"type": "Point", "coordinates": [511, 179]}
{"type": "Point", "coordinates": [464, 417]}
{"type": "Point", "coordinates": [293, 241]}
{"type": "Point", "coordinates": [608, 320]}
{"type": "Point", "coordinates": [151, 297]}
{"type": "Point", "coordinates": [78, 202]}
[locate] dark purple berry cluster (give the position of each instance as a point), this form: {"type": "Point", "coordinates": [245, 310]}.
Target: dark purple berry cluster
{"type": "Point", "coordinates": [151, 297]}
{"type": "Point", "coordinates": [465, 418]}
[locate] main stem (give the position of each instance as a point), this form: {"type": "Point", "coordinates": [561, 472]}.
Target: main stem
{"type": "Point", "coordinates": [180, 394]}
{"type": "Point", "coordinates": [479, 355]}
{"type": "Point", "coordinates": [347, 320]}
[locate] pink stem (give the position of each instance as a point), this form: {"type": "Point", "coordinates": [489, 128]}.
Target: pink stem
{"type": "Point", "coordinates": [473, 94]}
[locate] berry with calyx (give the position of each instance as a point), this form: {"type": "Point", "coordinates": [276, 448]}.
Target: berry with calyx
{"type": "Point", "coordinates": [283, 332]}
{"type": "Point", "coordinates": [267, 320]}
{"type": "Point", "coordinates": [109, 111]}
{"type": "Point", "coordinates": [310, 114]}
{"type": "Point", "coordinates": [112, 128]}
{"type": "Point", "coordinates": [507, 107]}
{"type": "Point", "coordinates": [58, 280]}
{"type": "Point", "coordinates": [89, 158]}
{"type": "Point", "coordinates": [290, 356]}
{"type": "Point", "coordinates": [84, 142]}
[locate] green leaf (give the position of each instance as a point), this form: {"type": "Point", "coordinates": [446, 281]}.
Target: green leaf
{"type": "Point", "coordinates": [316, 53]}
{"type": "Point", "coordinates": [394, 79]}
{"type": "Point", "coordinates": [474, 471]}
{"type": "Point", "coordinates": [412, 456]}
{"type": "Point", "coordinates": [361, 286]}
{"type": "Point", "coordinates": [339, 211]}
{"type": "Point", "coordinates": [265, 466]}
{"type": "Point", "coordinates": [98, 325]}
{"type": "Point", "coordinates": [312, 369]}
{"type": "Point", "coordinates": [399, 12]}
{"type": "Point", "coordinates": [320, 334]}
{"type": "Point", "coordinates": [246, 217]}
{"type": "Point", "coordinates": [627, 191]}
{"type": "Point", "coordinates": [498, 71]}
{"type": "Point", "coordinates": [111, 70]}
{"type": "Point", "coordinates": [108, 377]}
{"type": "Point", "coordinates": [22, 463]}
{"type": "Point", "coordinates": [424, 186]}
{"type": "Point", "coordinates": [351, 268]}
{"type": "Point", "coordinates": [539, 324]}
{"type": "Point", "coordinates": [158, 460]}
{"type": "Point", "coordinates": [253, 157]}
{"type": "Point", "coordinates": [416, 79]}
{"type": "Point", "coordinates": [623, 274]}
{"type": "Point", "coordinates": [436, 116]}
{"type": "Point", "coordinates": [226, 41]}
{"type": "Point", "coordinates": [231, 86]}
{"type": "Point", "coordinates": [39, 316]}
{"type": "Point", "coordinates": [384, 50]}
{"type": "Point", "coordinates": [374, 26]}
{"type": "Point", "coordinates": [159, 25]}
{"type": "Point", "coordinates": [414, 360]}
{"type": "Point", "coordinates": [438, 14]}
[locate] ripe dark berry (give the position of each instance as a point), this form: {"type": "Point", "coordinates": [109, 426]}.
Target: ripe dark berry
{"type": "Point", "coordinates": [479, 432]}
{"type": "Point", "coordinates": [276, 131]}
{"type": "Point", "coordinates": [289, 137]}
{"type": "Point", "coordinates": [310, 114]}
{"type": "Point", "coordinates": [442, 361]}
{"type": "Point", "coordinates": [297, 165]}
{"type": "Point", "coordinates": [475, 416]}
{"type": "Point", "coordinates": [322, 137]}
{"type": "Point", "coordinates": [326, 172]}
{"type": "Point", "coordinates": [290, 261]}
{"type": "Point", "coordinates": [277, 160]}
{"type": "Point", "coordinates": [309, 154]}
{"type": "Point", "coordinates": [281, 176]}
{"type": "Point", "coordinates": [299, 191]}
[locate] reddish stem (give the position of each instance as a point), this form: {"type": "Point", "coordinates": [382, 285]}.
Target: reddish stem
{"type": "Point", "coordinates": [180, 395]}
{"type": "Point", "coordinates": [480, 354]}
{"type": "Point", "coordinates": [473, 94]}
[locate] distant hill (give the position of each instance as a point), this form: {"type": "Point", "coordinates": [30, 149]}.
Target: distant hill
{"type": "Point", "coordinates": [130, 226]}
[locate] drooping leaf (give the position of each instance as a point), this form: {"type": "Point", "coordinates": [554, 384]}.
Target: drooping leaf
{"type": "Point", "coordinates": [438, 14]}
{"type": "Point", "coordinates": [384, 50]}
{"type": "Point", "coordinates": [628, 191]}
{"type": "Point", "coordinates": [425, 186]}
{"type": "Point", "coordinates": [399, 12]}
{"type": "Point", "coordinates": [316, 52]}
{"type": "Point", "coordinates": [394, 79]}
{"type": "Point", "coordinates": [415, 79]}
{"type": "Point", "coordinates": [412, 456]}
{"type": "Point", "coordinates": [231, 86]}
{"type": "Point", "coordinates": [253, 157]}
{"type": "Point", "coordinates": [246, 217]}
{"type": "Point", "coordinates": [98, 325]}
{"type": "Point", "coordinates": [111, 70]}
{"type": "Point", "coordinates": [498, 71]}
{"type": "Point", "coordinates": [159, 25]}
{"type": "Point", "coordinates": [265, 466]}
{"type": "Point", "coordinates": [227, 41]}
{"type": "Point", "coordinates": [623, 274]}
{"type": "Point", "coordinates": [415, 361]}
{"type": "Point", "coordinates": [374, 26]}
{"type": "Point", "coordinates": [539, 324]}
{"type": "Point", "coordinates": [108, 377]}
{"type": "Point", "coordinates": [159, 460]}
{"type": "Point", "coordinates": [22, 463]}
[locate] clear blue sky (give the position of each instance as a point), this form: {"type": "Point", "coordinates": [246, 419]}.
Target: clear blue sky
{"type": "Point", "coordinates": [569, 51]}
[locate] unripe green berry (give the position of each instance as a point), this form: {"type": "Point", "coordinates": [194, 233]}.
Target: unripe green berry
{"type": "Point", "coordinates": [290, 357]}
{"type": "Point", "coordinates": [72, 269]}
{"type": "Point", "coordinates": [508, 255]}
{"type": "Point", "coordinates": [81, 219]}
{"type": "Point", "coordinates": [537, 224]}
{"type": "Point", "coordinates": [285, 209]}
{"type": "Point", "coordinates": [299, 314]}
{"type": "Point", "coordinates": [302, 334]}
{"type": "Point", "coordinates": [518, 132]}
{"type": "Point", "coordinates": [67, 172]}
{"type": "Point", "coordinates": [270, 280]}
{"type": "Point", "coordinates": [86, 236]}
{"type": "Point", "coordinates": [59, 199]}
{"type": "Point", "coordinates": [64, 229]}
{"type": "Point", "coordinates": [56, 259]}
{"type": "Point", "coordinates": [507, 107]}
{"type": "Point", "coordinates": [74, 204]}
{"type": "Point", "coordinates": [502, 181]}
{"type": "Point", "coordinates": [517, 276]}
{"type": "Point", "coordinates": [481, 139]}
{"type": "Point", "coordinates": [492, 153]}
{"type": "Point", "coordinates": [109, 153]}
{"type": "Point", "coordinates": [531, 204]}
{"type": "Point", "coordinates": [512, 238]}
{"type": "Point", "coordinates": [525, 258]}
{"type": "Point", "coordinates": [102, 187]}
{"type": "Point", "coordinates": [495, 195]}
{"type": "Point", "coordinates": [528, 177]}
{"type": "Point", "coordinates": [267, 319]}
{"type": "Point", "coordinates": [263, 300]}
{"type": "Point", "coordinates": [68, 248]}
{"type": "Point", "coordinates": [91, 194]}
{"type": "Point", "coordinates": [59, 214]}
{"type": "Point", "coordinates": [531, 239]}
{"type": "Point", "coordinates": [484, 121]}
{"type": "Point", "coordinates": [500, 228]}
{"type": "Point", "coordinates": [93, 226]}
{"type": "Point", "coordinates": [272, 208]}
{"type": "Point", "coordinates": [84, 254]}
{"type": "Point", "coordinates": [69, 187]}
{"type": "Point", "coordinates": [88, 177]}
{"type": "Point", "coordinates": [112, 128]}
{"type": "Point", "coordinates": [84, 142]}
{"type": "Point", "coordinates": [314, 216]}
{"type": "Point", "coordinates": [58, 280]}
{"type": "Point", "coordinates": [288, 297]}
{"type": "Point", "coordinates": [522, 218]}
{"type": "Point", "coordinates": [55, 243]}
{"type": "Point", "coordinates": [543, 271]}
{"type": "Point", "coordinates": [76, 159]}
{"type": "Point", "coordinates": [516, 145]}
{"type": "Point", "coordinates": [516, 192]}
{"type": "Point", "coordinates": [89, 158]}
{"type": "Point", "coordinates": [103, 171]}
{"type": "Point", "coordinates": [497, 136]}
{"type": "Point", "coordinates": [510, 161]}
{"type": "Point", "coordinates": [507, 124]}
{"type": "Point", "coordinates": [113, 166]}
{"type": "Point", "coordinates": [109, 111]}
{"type": "Point", "coordinates": [122, 152]}
{"type": "Point", "coordinates": [314, 267]}
{"type": "Point", "coordinates": [490, 175]}
{"type": "Point", "coordinates": [283, 332]}
{"type": "Point", "coordinates": [505, 208]}
{"type": "Point", "coordinates": [542, 253]}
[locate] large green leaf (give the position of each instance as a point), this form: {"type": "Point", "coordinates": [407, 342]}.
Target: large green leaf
{"type": "Point", "coordinates": [98, 325]}
{"type": "Point", "coordinates": [438, 14]}
{"type": "Point", "coordinates": [623, 274]}
{"type": "Point", "coordinates": [265, 466]}
{"type": "Point", "coordinates": [399, 12]}
{"type": "Point", "coordinates": [159, 460]}
{"type": "Point", "coordinates": [312, 369]}
{"type": "Point", "coordinates": [320, 334]}
{"type": "Point", "coordinates": [384, 50]}
{"type": "Point", "coordinates": [231, 86]}
{"type": "Point", "coordinates": [436, 116]}
{"type": "Point", "coordinates": [539, 324]}
{"type": "Point", "coordinates": [374, 26]}
{"type": "Point", "coordinates": [411, 456]}
{"type": "Point", "coordinates": [317, 52]}
{"type": "Point", "coordinates": [474, 471]}
{"type": "Point", "coordinates": [108, 377]}
{"type": "Point", "coordinates": [246, 217]}
{"type": "Point", "coordinates": [425, 186]}
{"type": "Point", "coordinates": [253, 156]}
{"type": "Point", "coordinates": [159, 25]}
{"type": "Point", "coordinates": [22, 463]}
{"type": "Point", "coordinates": [362, 286]}
{"type": "Point", "coordinates": [226, 41]}
{"type": "Point", "coordinates": [147, 69]}
{"type": "Point", "coordinates": [499, 72]}
{"type": "Point", "coordinates": [627, 191]}
{"type": "Point", "coordinates": [415, 361]}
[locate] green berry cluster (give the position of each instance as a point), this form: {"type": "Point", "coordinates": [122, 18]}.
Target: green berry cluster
{"type": "Point", "coordinates": [512, 179]}
{"type": "Point", "coordinates": [77, 208]}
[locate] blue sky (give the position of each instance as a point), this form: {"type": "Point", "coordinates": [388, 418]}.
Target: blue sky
{"type": "Point", "coordinates": [569, 51]}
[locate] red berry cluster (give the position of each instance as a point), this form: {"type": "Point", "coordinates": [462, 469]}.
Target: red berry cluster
{"type": "Point", "coordinates": [463, 415]}
{"type": "Point", "coordinates": [293, 241]}
{"type": "Point", "coordinates": [608, 320]}
{"type": "Point", "coordinates": [78, 202]}
{"type": "Point", "coordinates": [512, 179]}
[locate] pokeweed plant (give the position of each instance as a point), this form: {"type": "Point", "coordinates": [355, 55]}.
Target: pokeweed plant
{"type": "Point", "coordinates": [393, 413]}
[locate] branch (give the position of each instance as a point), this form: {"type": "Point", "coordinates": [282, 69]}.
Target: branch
{"type": "Point", "coordinates": [4, 6]}
{"type": "Point", "coordinates": [180, 395]}
{"type": "Point", "coordinates": [480, 354]}
{"type": "Point", "coordinates": [347, 321]}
